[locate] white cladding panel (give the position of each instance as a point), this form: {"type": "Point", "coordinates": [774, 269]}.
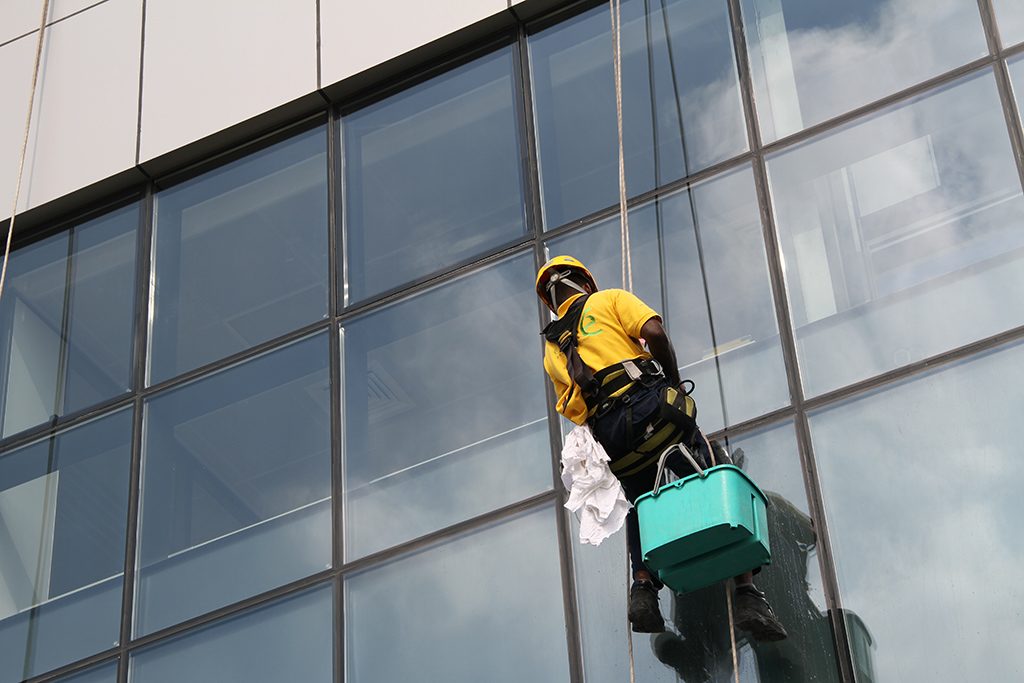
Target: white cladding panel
{"type": "Point", "coordinates": [358, 35]}
{"type": "Point", "coordinates": [18, 17]}
{"type": "Point", "coordinates": [210, 65]}
{"type": "Point", "coordinates": [15, 78]}
{"type": "Point", "coordinates": [85, 123]}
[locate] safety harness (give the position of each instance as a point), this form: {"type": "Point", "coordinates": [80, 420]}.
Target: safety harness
{"type": "Point", "coordinates": [614, 385]}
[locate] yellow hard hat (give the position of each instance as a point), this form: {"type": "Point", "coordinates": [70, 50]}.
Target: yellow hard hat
{"type": "Point", "coordinates": [547, 274]}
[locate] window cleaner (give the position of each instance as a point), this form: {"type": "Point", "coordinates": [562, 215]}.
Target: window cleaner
{"type": "Point", "coordinates": [636, 409]}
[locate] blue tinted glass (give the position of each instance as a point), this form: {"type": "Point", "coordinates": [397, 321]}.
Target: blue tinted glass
{"type": "Point", "coordinates": [240, 255]}
{"type": "Point", "coordinates": [289, 640]}
{"type": "Point", "coordinates": [681, 101]}
{"type": "Point", "coordinates": [101, 306]}
{"type": "Point", "coordinates": [63, 513]}
{"type": "Point", "coordinates": [708, 245]}
{"type": "Point", "coordinates": [237, 485]}
{"type": "Point", "coordinates": [30, 333]}
{"type": "Point", "coordinates": [100, 674]}
{"type": "Point", "coordinates": [485, 606]}
{"type": "Point", "coordinates": [813, 60]}
{"type": "Point", "coordinates": [696, 646]}
{"type": "Point", "coordinates": [443, 393]}
{"type": "Point", "coordinates": [1010, 14]}
{"type": "Point", "coordinates": [901, 234]}
{"type": "Point", "coordinates": [432, 176]}
{"type": "Point", "coordinates": [921, 483]}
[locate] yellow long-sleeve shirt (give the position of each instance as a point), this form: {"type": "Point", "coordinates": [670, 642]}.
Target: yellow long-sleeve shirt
{"type": "Point", "coordinates": [608, 333]}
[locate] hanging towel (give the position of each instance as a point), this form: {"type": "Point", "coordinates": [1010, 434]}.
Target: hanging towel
{"type": "Point", "coordinates": [593, 489]}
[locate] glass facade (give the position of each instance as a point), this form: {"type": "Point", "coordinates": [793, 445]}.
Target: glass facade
{"type": "Point", "coordinates": [323, 466]}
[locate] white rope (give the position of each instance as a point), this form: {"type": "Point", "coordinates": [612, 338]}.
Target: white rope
{"type": "Point", "coordinates": [732, 632]}
{"type": "Point", "coordinates": [627, 259]}
{"type": "Point", "coordinates": [24, 143]}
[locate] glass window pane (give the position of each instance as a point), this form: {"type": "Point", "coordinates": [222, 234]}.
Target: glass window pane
{"type": "Point", "coordinates": [1010, 14]}
{"type": "Point", "coordinates": [678, 70]}
{"type": "Point", "coordinates": [486, 606]}
{"type": "Point", "coordinates": [812, 61]}
{"type": "Point", "coordinates": [433, 176]}
{"type": "Point", "coordinates": [921, 483]}
{"type": "Point", "coordinates": [696, 646]}
{"type": "Point", "coordinates": [101, 303]}
{"type": "Point", "coordinates": [1016, 67]}
{"type": "Point", "coordinates": [240, 255]}
{"type": "Point", "coordinates": [442, 392]}
{"type": "Point", "coordinates": [288, 640]}
{"type": "Point", "coordinates": [901, 234]}
{"type": "Point", "coordinates": [100, 674]}
{"type": "Point", "coordinates": [63, 513]}
{"type": "Point", "coordinates": [236, 495]}
{"type": "Point", "coordinates": [31, 312]}
{"type": "Point", "coordinates": [719, 308]}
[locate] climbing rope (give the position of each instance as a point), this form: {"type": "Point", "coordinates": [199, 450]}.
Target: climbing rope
{"type": "Point", "coordinates": [615, 7]}
{"type": "Point", "coordinates": [24, 143]}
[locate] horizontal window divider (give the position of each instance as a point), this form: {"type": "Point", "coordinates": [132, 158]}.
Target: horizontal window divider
{"type": "Point", "coordinates": [81, 665]}
{"type": "Point", "coordinates": [522, 244]}
{"type": "Point", "coordinates": [633, 202]}
{"type": "Point", "coordinates": [772, 419]}
{"type": "Point", "coordinates": [916, 369]}
{"type": "Point", "coordinates": [238, 358]}
{"type": "Point", "coordinates": [453, 531]}
{"type": "Point", "coordinates": [1012, 51]}
{"type": "Point", "coordinates": [53, 427]}
{"type": "Point", "coordinates": [913, 91]}
{"type": "Point", "coordinates": [197, 623]}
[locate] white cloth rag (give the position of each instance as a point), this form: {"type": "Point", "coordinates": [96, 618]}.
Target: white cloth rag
{"type": "Point", "coordinates": [593, 490]}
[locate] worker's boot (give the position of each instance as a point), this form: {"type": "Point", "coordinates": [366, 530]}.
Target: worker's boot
{"type": "Point", "coordinates": [644, 614]}
{"type": "Point", "coordinates": [755, 616]}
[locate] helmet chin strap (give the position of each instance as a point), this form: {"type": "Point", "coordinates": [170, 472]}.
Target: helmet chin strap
{"type": "Point", "coordinates": [565, 280]}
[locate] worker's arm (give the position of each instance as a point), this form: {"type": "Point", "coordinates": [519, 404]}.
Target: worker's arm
{"type": "Point", "coordinates": [653, 332]}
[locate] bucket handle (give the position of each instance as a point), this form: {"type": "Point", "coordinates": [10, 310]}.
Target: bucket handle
{"type": "Point", "coordinates": [664, 457]}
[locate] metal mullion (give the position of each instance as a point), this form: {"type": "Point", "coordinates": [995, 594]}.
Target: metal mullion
{"type": "Point", "coordinates": [990, 26]}
{"type": "Point", "coordinates": [337, 489]}
{"type": "Point", "coordinates": [338, 627]}
{"type": "Point", "coordinates": [440, 535]}
{"type": "Point", "coordinates": [237, 358]}
{"type": "Point", "coordinates": [878, 105]}
{"type": "Point", "coordinates": [65, 330]}
{"type": "Point", "coordinates": [235, 608]}
{"type": "Point", "coordinates": [76, 667]}
{"type": "Point", "coordinates": [521, 245]}
{"type": "Point", "coordinates": [131, 539]}
{"type": "Point", "coordinates": [844, 653]}
{"type": "Point", "coordinates": [64, 423]}
{"type": "Point", "coordinates": [334, 208]}
{"type": "Point", "coordinates": [570, 601]}
{"type": "Point", "coordinates": [527, 135]}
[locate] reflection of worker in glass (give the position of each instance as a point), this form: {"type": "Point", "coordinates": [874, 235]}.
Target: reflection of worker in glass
{"type": "Point", "coordinates": [634, 403]}
{"type": "Point", "coordinates": [702, 648]}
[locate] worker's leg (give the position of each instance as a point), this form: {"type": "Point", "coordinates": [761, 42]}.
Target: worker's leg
{"type": "Point", "coordinates": [644, 612]}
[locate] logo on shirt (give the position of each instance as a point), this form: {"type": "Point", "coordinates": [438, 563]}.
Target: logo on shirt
{"type": "Point", "coordinates": [587, 322]}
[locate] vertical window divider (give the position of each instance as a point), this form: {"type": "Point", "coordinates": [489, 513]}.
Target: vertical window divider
{"type": "Point", "coordinates": [535, 229]}
{"type": "Point", "coordinates": [787, 335]}
{"type": "Point", "coordinates": [334, 207]}
{"type": "Point", "coordinates": [65, 332]}
{"type": "Point", "coordinates": [131, 539]}
{"type": "Point", "coordinates": [339, 188]}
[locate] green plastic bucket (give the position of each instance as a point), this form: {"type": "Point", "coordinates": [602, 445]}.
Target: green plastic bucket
{"type": "Point", "coordinates": [704, 528]}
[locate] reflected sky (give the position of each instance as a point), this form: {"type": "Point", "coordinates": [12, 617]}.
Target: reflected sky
{"type": "Point", "coordinates": [444, 390]}
{"type": "Point", "coordinates": [814, 60]}
{"type": "Point", "coordinates": [922, 483]}
{"type": "Point", "coordinates": [432, 176]}
{"type": "Point", "coordinates": [708, 246]}
{"type": "Point", "coordinates": [101, 674]}
{"type": "Point", "coordinates": [900, 234]}
{"type": "Point", "coordinates": [1010, 16]}
{"type": "Point", "coordinates": [681, 101]}
{"type": "Point", "coordinates": [485, 606]}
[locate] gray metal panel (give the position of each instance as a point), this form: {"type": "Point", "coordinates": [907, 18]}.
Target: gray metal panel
{"type": "Point", "coordinates": [208, 66]}
{"type": "Point", "coordinates": [357, 36]}
{"type": "Point", "coordinates": [86, 112]}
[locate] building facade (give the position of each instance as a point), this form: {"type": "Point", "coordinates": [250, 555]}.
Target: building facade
{"type": "Point", "coordinates": [271, 397]}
